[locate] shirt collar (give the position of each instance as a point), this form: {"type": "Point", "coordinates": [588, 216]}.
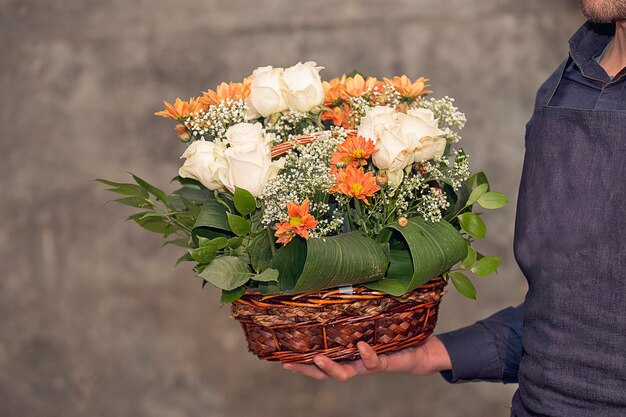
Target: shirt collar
{"type": "Point", "coordinates": [589, 42]}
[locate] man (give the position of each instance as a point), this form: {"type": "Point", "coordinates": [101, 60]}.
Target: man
{"type": "Point", "coordinates": [570, 243]}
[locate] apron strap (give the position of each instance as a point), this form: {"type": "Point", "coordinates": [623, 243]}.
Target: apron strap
{"type": "Point", "coordinates": [561, 70]}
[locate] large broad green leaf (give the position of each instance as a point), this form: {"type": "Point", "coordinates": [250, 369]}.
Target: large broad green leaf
{"type": "Point", "coordinates": [433, 247]}
{"type": "Point", "coordinates": [212, 216]}
{"type": "Point", "coordinates": [350, 258]}
{"type": "Point", "coordinates": [400, 270]}
{"type": "Point", "coordinates": [226, 272]}
{"type": "Point", "coordinates": [193, 195]}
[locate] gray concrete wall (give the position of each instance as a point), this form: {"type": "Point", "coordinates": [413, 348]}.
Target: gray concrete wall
{"type": "Point", "coordinates": [93, 321]}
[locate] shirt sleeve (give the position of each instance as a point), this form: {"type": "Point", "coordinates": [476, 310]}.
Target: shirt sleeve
{"type": "Point", "coordinates": [489, 350]}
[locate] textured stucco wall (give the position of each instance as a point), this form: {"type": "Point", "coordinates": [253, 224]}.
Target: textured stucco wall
{"type": "Point", "coordinates": [93, 321]}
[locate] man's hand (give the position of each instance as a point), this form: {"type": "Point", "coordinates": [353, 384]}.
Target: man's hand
{"type": "Point", "coordinates": [425, 359]}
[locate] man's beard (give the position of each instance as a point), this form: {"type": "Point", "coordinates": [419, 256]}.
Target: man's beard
{"type": "Point", "coordinates": [604, 11]}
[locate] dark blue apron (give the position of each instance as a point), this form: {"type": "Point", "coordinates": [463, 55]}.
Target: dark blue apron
{"type": "Point", "coordinates": [570, 243]}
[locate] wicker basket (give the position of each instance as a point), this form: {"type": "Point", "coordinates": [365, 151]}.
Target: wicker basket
{"type": "Point", "coordinates": [296, 328]}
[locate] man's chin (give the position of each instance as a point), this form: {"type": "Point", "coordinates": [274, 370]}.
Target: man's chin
{"type": "Point", "coordinates": [604, 11]}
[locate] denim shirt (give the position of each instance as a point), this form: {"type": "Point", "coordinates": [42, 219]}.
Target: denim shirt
{"type": "Point", "coordinates": [491, 349]}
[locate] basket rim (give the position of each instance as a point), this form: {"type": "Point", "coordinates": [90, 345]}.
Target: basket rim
{"type": "Point", "coordinates": [333, 296]}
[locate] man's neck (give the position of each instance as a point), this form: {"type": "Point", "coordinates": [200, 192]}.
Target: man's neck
{"type": "Point", "coordinates": [614, 59]}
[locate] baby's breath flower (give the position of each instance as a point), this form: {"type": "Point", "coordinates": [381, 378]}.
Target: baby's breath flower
{"type": "Point", "coordinates": [213, 123]}
{"type": "Point", "coordinates": [448, 115]}
{"type": "Point", "coordinates": [290, 124]}
{"type": "Point", "coordinates": [306, 174]}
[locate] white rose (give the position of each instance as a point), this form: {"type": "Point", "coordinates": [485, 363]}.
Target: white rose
{"type": "Point", "coordinates": [303, 86]}
{"type": "Point", "coordinates": [375, 121]}
{"type": "Point", "coordinates": [249, 167]}
{"type": "Point", "coordinates": [243, 133]}
{"type": "Point", "coordinates": [205, 163]}
{"type": "Point", "coordinates": [395, 150]}
{"type": "Point", "coordinates": [429, 147]}
{"type": "Point", "coordinates": [423, 130]}
{"type": "Point", "coordinates": [266, 92]}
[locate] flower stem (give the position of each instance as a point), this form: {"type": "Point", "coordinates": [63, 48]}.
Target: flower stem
{"type": "Point", "coordinates": [269, 237]}
{"type": "Point", "coordinates": [357, 205]}
{"type": "Point", "coordinates": [350, 219]}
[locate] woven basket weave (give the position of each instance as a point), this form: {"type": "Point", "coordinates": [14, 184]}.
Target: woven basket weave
{"type": "Point", "coordinates": [296, 328]}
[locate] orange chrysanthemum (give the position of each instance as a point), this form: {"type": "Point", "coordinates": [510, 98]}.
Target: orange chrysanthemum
{"type": "Point", "coordinates": [334, 91]}
{"type": "Point", "coordinates": [340, 116]}
{"type": "Point", "coordinates": [183, 133]}
{"type": "Point", "coordinates": [300, 222]}
{"type": "Point", "coordinates": [224, 91]}
{"type": "Point", "coordinates": [409, 89]}
{"type": "Point", "coordinates": [357, 85]}
{"type": "Point", "coordinates": [354, 151]}
{"type": "Point", "coordinates": [180, 109]}
{"type": "Point", "coordinates": [354, 182]}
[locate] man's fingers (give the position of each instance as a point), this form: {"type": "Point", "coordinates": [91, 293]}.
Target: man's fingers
{"type": "Point", "coordinates": [370, 359]}
{"type": "Point", "coordinates": [311, 371]}
{"type": "Point", "coordinates": [334, 369]}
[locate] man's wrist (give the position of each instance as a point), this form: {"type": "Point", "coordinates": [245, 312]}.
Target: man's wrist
{"type": "Point", "coordinates": [431, 357]}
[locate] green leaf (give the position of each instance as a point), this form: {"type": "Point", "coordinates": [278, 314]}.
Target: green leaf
{"type": "Point", "coordinates": [238, 224]}
{"type": "Point", "coordinates": [463, 284]}
{"type": "Point", "coordinates": [235, 242]}
{"type": "Point", "coordinates": [260, 251]}
{"type": "Point", "coordinates": [269, 274]}
{"type": "Point", "coordinates": [493, 200]}
{"type": "Point", "coordinates": [434, 248]}
{"type": "Point", "coordinates": [289, 261]}
{"type": "Point", "coordinates": [395, 281]}
{"type": "Point", "coordinates": [479, 178]}
{"type": "Point", "coordinates": [226, 272]}
{"type": "Point", "coordinates": [124, 188]}
{"type": "Point", "coordinates": [462, 195]}
{"type": "Point", "coordinates": [138, 202]}
{"type": "Point", "coordinates": [486, 265]}
{"type": "Point", "coordinates": [244, 201]}
{"type": "Point", "coordinates": [183, 243]}
{"type": "Point", "coordinates": [350, 258]}
{"type": "Point", "coordinates": [160, 194]}
{"type": "Point", "coordinates": [188, 183]}
{"type": "Point", "coordinates": [219, 242]}
{"type": "Point", "coordinates": [476, 194]}
{"type": "Point", "coordinates": [233, 295]}
{"type": "Point", "coordinates": [212, 215]}
{"type": "Point", "coordinates": [469, 259]}
{"type": "Point", "coordinates": [192, 207]}
{"type": "Point", "coordinates": [153, 224]}
{"type": "Point", "coordinates": [204, 254]}
{"type": "Point", "coordinates": [185, 258]}
{"type": "Point", "coordinates": [473, 225]}
{"type": "Point", "coordinates": [196, 196]}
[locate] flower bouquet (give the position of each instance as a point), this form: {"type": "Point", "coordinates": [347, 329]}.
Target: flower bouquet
{"type": "Point", "coordinates": [326, 212]}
